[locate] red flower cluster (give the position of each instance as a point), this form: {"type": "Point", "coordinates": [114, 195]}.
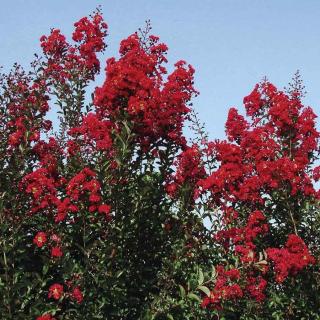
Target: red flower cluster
{"type": "Point", "coordinates": [189, 169]}
{"type": "Point", "coordinates": [55, 291]}
{"type": "Point", "coordinates": [136, 91]}
{"type": "Point", "coordinates": [266, 160]}
{"type": "Point", "coordinates": [269, 154]}
{"type": "Point", "coordinates": [90, 35]}
{"type": "Point", "coordinates": [56, 252]}
{"type": "Point", "coordinates": [104, 209]}
{"type": "Point", "coordinates": [255, 288]}
{"type": "Point", "coordinates": [84, 183]}
{"type": "Point", "coordinates": [236, 125]}
{"type": "Point", "coordinates": [64, 59]}
{"type": "Point", "coordinates": [40, 239]}
{"type": "Point", "coordinates": [291, 259]}
{"type": "Point", "coordinates": [55, 44]}
{"type": "Point", "coordinates": [63, 208]}
{"type": "Point", "coordinates": [42, 188]}
{"type": "Point", "coordinates": [48, 153]}
{"type": "Point", "coordinates": [244, 239]}
{"type": "Point", "coordinates": [241, 241]}
{"type": "Point", "coordinates": [94, 132]}
{"type": "Point", "coordinates": [23, 117]}
{"type": "Point", "coordinates": [77, 295]}
{"type": "Point", "coordinates": [81, 185]}
{"type": "Point", "coordinates": [225, 288]}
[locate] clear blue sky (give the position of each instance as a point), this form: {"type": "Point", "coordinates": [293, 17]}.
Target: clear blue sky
{"type": "Point", "coordinates": [231, 44]}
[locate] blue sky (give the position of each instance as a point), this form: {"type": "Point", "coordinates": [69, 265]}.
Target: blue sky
{"type": "Point", "coordinates": [231, 44]}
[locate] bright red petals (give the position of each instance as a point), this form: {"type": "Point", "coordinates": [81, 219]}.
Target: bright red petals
{"type": "Point", "coordinates": [41, 186]}
{"type": "Point", "coordinates": [55, 291]}
{"type": "Point", "coordinates": [46, 316]}
{"type": "Point", "coordinates": [289, 260]}
{"type": "Point", "coordinates": [105, 209]}
{"type": "Point", "coordinates": [56, 252]}
{"type": "Point", "coordinates": [94, 132]}
{"type": "Point", "coordinates": [40, 239]}
{"type": "Point", "coordinates": [84, 183]}
{"type": "Point", "coordinates": [77, 295]}
{"type": "Point", "coordinates": [64, 59]}
{"type": "Point", "coordinates": [135, 88]}
{"type": "Point", "coordinates": [189, 170]}
{"type": "Point", "coordinates": [225, 288]}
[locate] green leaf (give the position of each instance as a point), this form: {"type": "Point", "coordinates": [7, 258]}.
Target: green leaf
{"type": "Point", "coordinates": [205, 290]}
{"type": "Point", "coordinates": [194, 297]}
{"type": "Point", "coordinates": [119, 273]}
{"type": "Point", "coordinates": [182, 291]}
{"type": "Point", "coordinates": [201, 277]}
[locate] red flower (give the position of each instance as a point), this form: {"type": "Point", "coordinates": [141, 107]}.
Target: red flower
{"type": "Point", "coordinates": [64, 207]}
{"type": "Point", "coordinates": [55, 291]}
{"type": "Point", "coordinates": [94, 132]}
{"type": "Point", "coordinates": [104, 208]}
{"type": "Point", "coordinates": [258, 157]}
{"type": "Point", "coordinates": [84, 183]}
{"type": "Point", "coordinates": [205, 302]}
{"type": "Point", "coordinates": [77, 295]}
{"type": "Point", "coordinates": [40, 239]}
{"type": "Point", "coordinates": [41, 187]}
{"type": "Point", "coordinates": [64, 59]}
{"type": "Point", "coordinates": [236, 125]}
{"type": "Point", "coordinates": [55, 44]}
{"type": "Point", "coordinates": [156, 108]}
{"type": "Point", "coordinates": [171, 189]}
{"type": "Point", "coordinates": [46, 316]}
{"type": "Point", "coordinates": [256, 287]}
{"type": "Point", "coordinates": [224, 288]}
{"type": "Point", "coordinates": [56, 252]}
{"type": "Point", "coordinates": [291, 259]}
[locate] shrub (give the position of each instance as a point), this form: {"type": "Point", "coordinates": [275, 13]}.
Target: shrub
{"type": "Point", "coordinates": [102, 214]}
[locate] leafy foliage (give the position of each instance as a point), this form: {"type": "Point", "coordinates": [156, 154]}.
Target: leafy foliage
{"type": "Point", "coordinates": [102, 218]}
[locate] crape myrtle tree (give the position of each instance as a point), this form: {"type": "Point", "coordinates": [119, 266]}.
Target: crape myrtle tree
{"type": "Point", "coordinates": [263, 187]}
{"type": "Point", "coordinates": [102, 218]}
{"type": "Point", "coordinates": [88, 230]}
